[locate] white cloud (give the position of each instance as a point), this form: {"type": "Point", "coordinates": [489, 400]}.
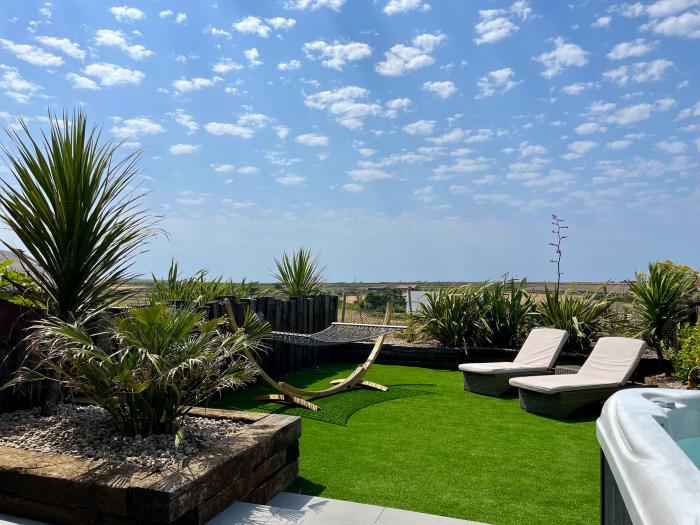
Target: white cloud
{"type": "Point", "coordinates": [352, 188]}
{"type": "Point", "coordinates": [166, 13]}
{"type": "Point", "coordinates": [497, 198]}
{"type": "Point", "coordinates": [588, 128]}
{"type": "Point", "coordinates": [565, 54]}
{"type": "Point", "coordinates": [109, 37]}
{"type": "Point", "coordinates": [693, 111]}
{"type": "Point", "coordinates": [402, 59]}
{"type": "Point", "coordinates": [442, 89]}
{"type": "Point", "coordinates": [185, 120]}
{"type": "Point", "coordinates": [127, 14]}
{"type": "Point", "coordinates": [312, 139]}
{"type": "Point", "coordinates": [254, 120]}
{"type": "Point", "coordinates": [579, 148]}
{"type": "Point", "coordinates": [291, 180]}
{"type": "Point", "coordinates": [631, 114]}
{"type": "Point", "coordinates": [496, 82]}
{"type": "Point", "coordinates": [673, 147]}
{"type": "Point", "coordinates": [426, 194]}
{"type": "Point", "coordinates": [344, 104]}
{"type": "Point", "coordinates": [183, 149]}
{"type": "Point", "coordinates": [638, 72]}
{"type": "Point", "coordinates": [247, 170]}
{"type": "Point", "coordinates": [697, 144]}
{"type": "Point", "coordinates": [279, 22]}
{"type": "Point", "coordinates": [223, 168]}
{"type": "Point", "coordinates": [492, 27]}
{"type": "Point", "coordinates": [31, 54]}
{"type": "Point", "coordinates": [577, 88]}
{"type": "Point", "coordinates": [601, 21]}
{"type": "Point", "coordinates": [16, 87]}
{"type": "Point", "coordinates": [336, 55]}
{"type": "Point", "coordinates": [618, 145]}
{"type": "Point", "coordinates": [282, 132]}
{"type": "Point", "coordinates": [81, 82]}
{"type": "Point", "coordinates": [664, 104]}
{"type": "Point", "coordinates": [395, 105]}
{"type": "Point", "coordinates": [289, 66]}
{"type": "Point", "coordinates": [181, 18]}
{"type": "Point", "coordinates": [394, 7]}
{"type": "Point", "coordinates": [461, 165]}
{"type": "Point", "coordinates": [226, 65]}
{"type": "Point", "coordinates": [64, 45]}
{"type": "Point", "coordinates": [313, 5]}
{"type": "Point", "coordinates": [367, 152]}
{"type": "Point", "coordinates": [113, 75]}
{"type": "Point", "coordinates": [636, 48]}
{"type": "Point", "coordinates": [185, 85]}
{"type": "Point", "coordinates": [686, 25]}
{"type": "Point", "coordinates": [135, 127]}
{"type": "Point", "coordinates": [365, 175]}
{"type": "Point", "coordinates": [526, 149]}
{"type": "Point", "coordinates": [420, 127]}
{"type": "Point", "coordinates": [222, 128]}
{"type": "Point", "coordinates": [460, 189]}
{"type": "Point", "coordinates": [253, 57]}
{"type": "Point", "coordinates": [217, 32]}
{"type": "Point", "coordinates": [252, 25]}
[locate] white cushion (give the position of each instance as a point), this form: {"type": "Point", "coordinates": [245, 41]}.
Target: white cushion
{"type": "Point", "coordinates": [611, 363]}
{"type": "Point", "coordinates": [499, 368]}
{"type": "Point", "coordinates": [542, 347]}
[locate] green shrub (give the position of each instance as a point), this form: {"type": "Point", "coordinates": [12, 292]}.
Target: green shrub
{"type": "Point", "coordinates": [686, 360]}
{"type": "Point", "coordinates": [661, 302]}
{"type": "Point", "coordinates": [167, 360]}
{"type": "Point", "coordinates": [377, 299]}
{"type": "Point", "coordinates": [196, 289]}
{"type": "Point", "coordinates": [300, 274]}
{"type": "Point", "coordinates": [507, 312]}
{"type": "Point", "coordinates": [586, 316]}
{"type": "Point", "coordinates": [18, 288]}
{"type": "Point", "coordinates": [452, 317]}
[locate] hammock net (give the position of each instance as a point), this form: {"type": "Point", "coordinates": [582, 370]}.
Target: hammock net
{"type": "Point", "coordinates": [337, 334]}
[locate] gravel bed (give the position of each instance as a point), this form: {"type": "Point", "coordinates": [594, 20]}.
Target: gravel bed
{"type": "Point", "coordinates": [88, 432]}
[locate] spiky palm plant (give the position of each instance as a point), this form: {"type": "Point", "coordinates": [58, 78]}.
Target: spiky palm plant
{"type": "Point", "coordinates": [586, 316]}
{"type": "Point", "coordinates": [299, 275]}
{"type": "Point", "coordinates": [72, 203]}
{"type": "Point", "coordinates": [661, 301]}
{"type": "Point", "coordinates": [166, 361]}
{"type": "Point", "coordinates": [508, 311]}
{"type": "Point", "coordinates": [451, 316]}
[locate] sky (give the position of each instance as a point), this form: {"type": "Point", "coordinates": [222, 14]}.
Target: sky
{"type": "Point", "coordinates": [400, 140]}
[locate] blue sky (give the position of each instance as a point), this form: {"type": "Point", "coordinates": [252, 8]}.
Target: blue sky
{"type": "Point", "coordinates": [400, 139]}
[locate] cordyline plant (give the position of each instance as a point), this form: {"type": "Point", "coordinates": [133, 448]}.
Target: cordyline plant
{"type": "Point", "coordinates": [300, 274]}
{"type": "Point", "coordinates": [197, 289]}
{"type": "Point", "coordinates": [74, 205]}
{"type": "Point", "coordinates": [508, 310]}
{"type": "Point", "coordinates": [451, 316]}
{"type": "Point", "coordinates": [166, 361]}
{"type": "Point", "coordinates": [661, 301]}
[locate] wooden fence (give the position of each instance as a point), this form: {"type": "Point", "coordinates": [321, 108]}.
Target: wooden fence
{"type": "Point", "coordinates": [304, 315]}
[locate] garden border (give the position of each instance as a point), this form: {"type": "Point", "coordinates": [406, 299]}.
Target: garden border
{"type": "Point", "coordinates": [255, 466]}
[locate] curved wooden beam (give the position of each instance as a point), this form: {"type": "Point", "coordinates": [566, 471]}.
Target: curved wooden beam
{"type": "Point", "coordinates": [291, 393]}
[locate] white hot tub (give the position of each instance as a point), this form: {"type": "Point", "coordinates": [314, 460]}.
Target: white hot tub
{"type": "Point", "coordinates": [650, 468]}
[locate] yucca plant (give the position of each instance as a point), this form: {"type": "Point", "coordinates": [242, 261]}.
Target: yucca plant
{"type": "Point", "coordinates": [196, 289]}
{"type": "Point", "coordinates": [586, 316]}
{"type": "Point", "coordinates": [299, 275]}
{"type": "Point", "coordinates": [166, 361]}
{"type": "Point", "coordinates": [661, 302]}
{"type": "Point", "coordinates": [451, 316]}
{"type": "Point", "coordinates": [508, 310]}
{"type": "Point", "coordinates": [71, 202]}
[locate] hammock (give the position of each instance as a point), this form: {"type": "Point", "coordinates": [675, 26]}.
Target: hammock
{"type": "Point", "coordinates": [337, 334]}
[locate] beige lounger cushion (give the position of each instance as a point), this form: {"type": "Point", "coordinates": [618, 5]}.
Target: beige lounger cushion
{"type": "Point", "coordinates": [538, 354]}
{"type": "Point", "coordinates": [498, 368]}
{"type": "Point", "coordinates": [610, 365]}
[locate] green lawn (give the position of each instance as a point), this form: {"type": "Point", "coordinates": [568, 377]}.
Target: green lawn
{"type": "Point", "coordinates": [442, 450]}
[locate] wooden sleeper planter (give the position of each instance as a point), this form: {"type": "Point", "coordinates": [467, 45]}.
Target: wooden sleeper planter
{"type": "Point", "coordinates": [258, 463]}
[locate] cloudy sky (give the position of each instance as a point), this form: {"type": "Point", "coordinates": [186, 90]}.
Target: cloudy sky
{"type": "Point", "coordinates": [400, 139]}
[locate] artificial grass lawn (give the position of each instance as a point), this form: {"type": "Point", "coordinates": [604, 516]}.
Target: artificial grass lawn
{"type": "Point", "coordinates": [444, 451]}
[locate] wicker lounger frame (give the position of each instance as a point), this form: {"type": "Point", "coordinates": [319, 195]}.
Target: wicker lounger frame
{"type": "Point", "coordinates": [494, 384]}
{"type": "Point", "coordinates": [561, 405]}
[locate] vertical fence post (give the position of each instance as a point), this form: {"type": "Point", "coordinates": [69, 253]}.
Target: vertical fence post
{"type": "Point", "coordinates": [342, 315]}
{"type": "Point", "coordinates": [410, 307]}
